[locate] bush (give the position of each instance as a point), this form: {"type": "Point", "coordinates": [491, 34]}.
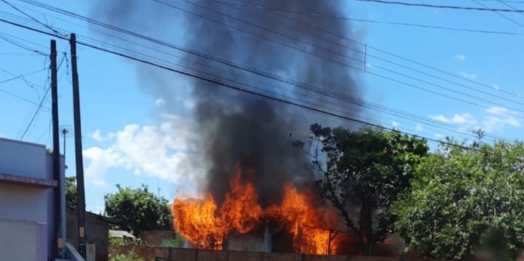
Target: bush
{"type": "Point", "coordinates": [129, 256]}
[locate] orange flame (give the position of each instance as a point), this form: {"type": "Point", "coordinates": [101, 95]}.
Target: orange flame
{"type": "Point", "coordinates": [204, 224]}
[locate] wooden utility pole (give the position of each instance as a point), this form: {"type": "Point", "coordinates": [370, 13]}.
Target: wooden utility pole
{"type": "Point", "coordinates": [57, 173]}
{"type": "Point", "coordinates": [81, 208]}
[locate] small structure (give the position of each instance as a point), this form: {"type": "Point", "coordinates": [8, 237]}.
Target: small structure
{"type": "Point", "coordinates": [157, 237]}
{"type": "Point", "coordinates": [26, 201]}
{"type": "Point", "coordinates": [256, 241]}
{"type": "Point", "coordinates": [97, 232]}
{"type": "Point", "coordinates": [126, 237]}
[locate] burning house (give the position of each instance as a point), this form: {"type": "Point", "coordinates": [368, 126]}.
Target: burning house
{"type": "Point", "coordinates": [256, 194]}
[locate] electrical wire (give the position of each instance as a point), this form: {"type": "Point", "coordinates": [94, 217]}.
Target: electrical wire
{"type": "Point", "coordinates": [500, 14]}
{"type": "Point", "coordinates": [20, 76]}
{"type": "Point", "coordinates": [403, 66]}
{"type": "Point", "coordinates": [467, 30]}
{"type": "Point", "coordinates": [230, 86]}
{"type": "Point", "coordinates": [67, 13]}
{"type": "Point", "coordinates": [443, 6]}
{"type": "Point", "coordinates": [39, 108]}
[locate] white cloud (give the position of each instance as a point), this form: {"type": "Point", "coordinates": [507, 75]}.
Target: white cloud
{"type": "Point", "coordinates": [470, 76]}
{"type": "Point", "coordinates": [496, 119]}
{"type": "Point", "coordinates": [496, 87]}
{"type": "Point", "coordinates": [460, 57]}
{"type": "Point", "coordinates": [395, 124]}
{"type": "Point", "coordinates": [166, 151]}
{"type": "Point", "coordinates": [96, 136]}
{"type": "Point", "coordinates": [419, 127]}
{"type": "Point", "coordinates": [464, 118]}
{"type": "Point", "coordinates": [160, 102]}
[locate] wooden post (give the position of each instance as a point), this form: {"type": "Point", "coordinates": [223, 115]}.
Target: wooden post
{"type": "Point", "coordinates": [196, 254]}
{"type": "Point", "coordinates": [147, 254]}
{"type": "Point", "coordinates": [169, 253]}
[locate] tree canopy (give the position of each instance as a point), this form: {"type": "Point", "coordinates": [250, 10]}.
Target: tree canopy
{"type": "Point", "coordinates": [138, 210]}
{"type": "Point", "coordinates": [71, 192]}
{"type": "Point", "coordinates": [465, 199]}
{"type": "Point", "coordinates": [364, 169]}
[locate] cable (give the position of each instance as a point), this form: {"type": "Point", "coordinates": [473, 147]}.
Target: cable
{"type": "Point", "coordinates": [443, 6]}
{"type": "Point", "coordinates": [381, 59]}
{"type": "Point", "coordinates": [368, 20]}
{"type": "Point", "coordinates": [27, 15]}
{"type": "Point", "coordinates": [21, 45]}
{"type": "Point", "coordinates": [229, 85]}
{"type": "Point", "coordinates": [163, 43]}
{"type": "Point", "coordinates": [502, 15]}
{"type": "Point", "coordinates": [39, 105]}
{"type": "Point", "coordinates": [317, 89]}
{"type": "Point", "coordinates": [21, 76]}
{"type": "Point", "coordinates": [369, 47]}
{"type": "Point", "coordinates": [328, 59]}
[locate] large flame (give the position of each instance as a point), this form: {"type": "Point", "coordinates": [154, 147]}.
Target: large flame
{"type": "Point", "coordinates": [204, 224]}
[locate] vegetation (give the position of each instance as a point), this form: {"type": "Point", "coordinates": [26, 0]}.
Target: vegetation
{"type": "Point", "coordinates": [138, 210]}
{"type": "Point", "coordinates": [366, 170]}
{"type": "Point", "coordinates": [129, 256]}
{"type": "Point", "coordinates": [117, 241]}
{"type": "Point", "coordinates": [174, 242]}
{"type": "Point", "coordinates": [71, 193]}
{"type": "Point", "coordinates": [465, 199]}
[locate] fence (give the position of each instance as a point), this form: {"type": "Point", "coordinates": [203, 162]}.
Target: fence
{"type": "Point", "coordinates": [150, 253]}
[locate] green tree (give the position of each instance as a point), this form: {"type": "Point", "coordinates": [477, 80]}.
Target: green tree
{"type": "Point", "coordinates": [465, 199]}
{"type": "Point", "coordinates": [138, 210]}
{"type": "Point", "coordinates": [364, 170]}
{"type": "Point", "coordinates": [71, 192]}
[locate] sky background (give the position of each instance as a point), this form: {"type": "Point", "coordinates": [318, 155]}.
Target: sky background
{"type": "Point", "coordinates": [132, 136]}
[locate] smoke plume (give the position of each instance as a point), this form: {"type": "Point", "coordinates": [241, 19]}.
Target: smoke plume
{"type": "Point", "coordinates": [237, 127]}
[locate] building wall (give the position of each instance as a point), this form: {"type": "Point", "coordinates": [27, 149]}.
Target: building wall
{"type": "Point", "coordinates": [156, 237]}
{"type": "Point", "coordinates": [23, 159]}
{"type": "Point", "coordinates": [97, 232]}
{"type": "Point", "coordinates": [27, 209]}
{"type": "Point", "coordinates": [184, 254]}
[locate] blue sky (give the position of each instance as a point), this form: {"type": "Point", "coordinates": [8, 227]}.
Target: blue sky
{"type": "Point", "coordinates": [130, 136]}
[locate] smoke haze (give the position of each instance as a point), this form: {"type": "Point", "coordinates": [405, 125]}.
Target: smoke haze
{"type": "Point", "coordinates": [236, 127]}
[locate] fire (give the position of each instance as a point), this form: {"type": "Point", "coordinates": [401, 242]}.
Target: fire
{"type": "Point", "coordinates": [205, 224]}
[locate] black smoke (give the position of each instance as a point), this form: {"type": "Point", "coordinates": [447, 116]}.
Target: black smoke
{"type": "Point", "coordinates": [236, 127]}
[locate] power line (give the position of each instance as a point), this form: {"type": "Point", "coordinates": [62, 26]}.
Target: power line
{"type": "Point", "coordinates": [230, 86]}
{"type": "Point", "coordinates": [369, 47]}
{"type": "Point", "coordinates": [325, 58]}
{"type": "Point", "coordinates": [368, 20]}
{"type": "Point", "coordinates": [67, 13]}
{"type": "Point", "coordinates": [21, 76]}
{"type": "Point", "coordinates": [28, 16]}
{"type": "Point", "coordinates": [13, 42]}
{"type": "Point", "coordinates": [443, 6]}
{"type": "Point", "coordinates": [294, 83]}
{"type": "Point", "coordinates": [500, 14]}
{"type": "Point", "coordinates": [38, 109]}
{"type": "Point", "coordinates": [374, 56]}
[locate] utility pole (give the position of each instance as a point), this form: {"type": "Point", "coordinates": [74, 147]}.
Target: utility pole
{"type": "Point", "coordinates": [57, 247]}
{"type": "Point", "coordinates": [78, 152]}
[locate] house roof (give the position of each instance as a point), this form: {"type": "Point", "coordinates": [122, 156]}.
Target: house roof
{"type": "Point", "coordinates": [100, 217]}
{"type": "Point", "coordinates": [120, 234]}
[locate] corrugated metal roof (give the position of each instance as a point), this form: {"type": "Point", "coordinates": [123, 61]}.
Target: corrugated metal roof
{"type": "Point", "coordinates": [120, 234]}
